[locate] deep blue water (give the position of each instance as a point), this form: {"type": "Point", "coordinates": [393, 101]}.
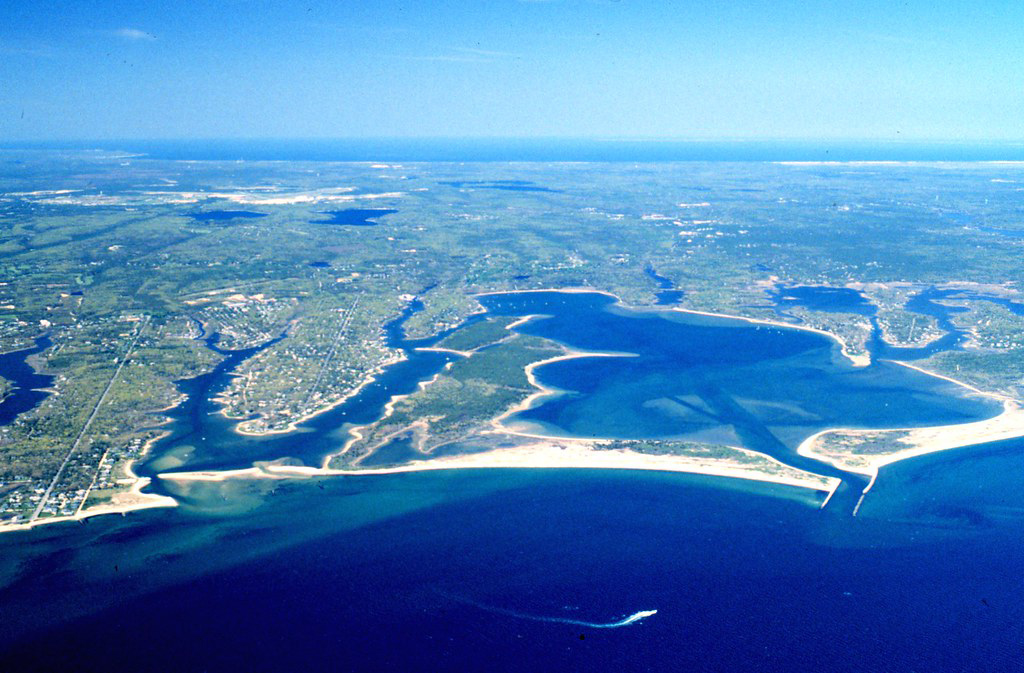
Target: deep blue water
{"type": "Point", "coordinates": [817, 298]}
{"type": "Point", "coordinates": [493, 570]}
{"type": "Point", "coordinates": [357, 217]}
{"type": "Point", "coordinates": [221, 215]}
{"type": "Point", "coordinates": [421, 572]}
{"type": "Point", "coordinates": [667, 295]}
{"type": "Point", "coordinates": [545, 149]}
{"type": "Point", "coordinates": [506, 185]}
{"type": "Point", "coordinates": [26, 394]}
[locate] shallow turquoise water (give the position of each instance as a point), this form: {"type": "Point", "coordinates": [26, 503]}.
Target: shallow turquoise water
{"type": "Point", "coordinates": [502, 570]}
{"type": "Point", "coordinates": [716, 380]}
{"type": "Point", "coordinates": [466, 570]}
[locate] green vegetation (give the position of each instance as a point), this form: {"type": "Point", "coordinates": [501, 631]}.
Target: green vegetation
{"type": "Point", "coordinates": [998, 371]}
{"type": "Point", "coordinates": [479, 334]}
{"type": "Point", "coordinates": [670, 447]}
{"type": "Point", "coordinates": [461, 401]}
{"type": "Point", "coordinates": [100, 251]}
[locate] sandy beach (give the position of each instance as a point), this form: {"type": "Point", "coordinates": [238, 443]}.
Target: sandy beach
{"type": "Point", "coordinates": [120, 503]}
{"type": "Point", "coordinates": [543, 390]}
{"type": "Point", "coordinates": [832, 445]}
{"type": "Point", "coordinates": [547, 454]}
{"type": "Point", "coordinates": [856, 360]}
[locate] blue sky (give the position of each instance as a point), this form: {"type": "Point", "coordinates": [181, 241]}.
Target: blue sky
{"type": "Point", "coordinates": [570, 68]}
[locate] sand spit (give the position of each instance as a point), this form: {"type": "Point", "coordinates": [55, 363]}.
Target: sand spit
{"type": "Point", "coordinates": [548, 455]}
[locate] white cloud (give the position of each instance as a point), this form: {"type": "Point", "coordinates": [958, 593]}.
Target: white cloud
{"type": "Point", "coordinates": [133, 34]}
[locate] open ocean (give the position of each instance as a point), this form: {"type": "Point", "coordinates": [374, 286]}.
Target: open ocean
{"type": "Point", "coordinates": [472, 570]}
{"type": "Point", "coordinates": [543, 149]}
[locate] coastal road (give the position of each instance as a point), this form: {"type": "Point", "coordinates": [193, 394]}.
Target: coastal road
{"type": "Point", "coordinates": [88, 422]}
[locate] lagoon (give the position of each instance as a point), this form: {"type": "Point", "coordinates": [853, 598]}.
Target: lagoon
{"type": "Point", "coordinates": [715, 379]}
{"type": "Point", "coordinates": [356, 217]}
{"type": "Point", "coordinates": [512, 569]}
{"type": "Point", "coordinates": [28, 388]}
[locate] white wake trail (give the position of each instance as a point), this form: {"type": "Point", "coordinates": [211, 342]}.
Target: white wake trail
{"type": "Point", "coordinates": [626, 621]}
{"type": "Point", "coordinates": [632, 619]}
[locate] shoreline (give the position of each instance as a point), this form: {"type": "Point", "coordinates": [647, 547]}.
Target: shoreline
{"type": "Point", "coordinates": [920, 441]}
{"type": "Point", "coordinates": [389, 409]}
{"type": "Point", "coordinates": [844, 349]}
{"type": "Point", "coordinates": [292, 425]}
{"type": "Point", "coordinates": [540, 455]}
{"type": "Point", "coordinates": [542, 390]}
{"type": "Point", "coordinates": [552, 452]}
{"type": "Point", "coordinates": [855, 360]}
{"type": "Point", "coordinates": [132, 500]}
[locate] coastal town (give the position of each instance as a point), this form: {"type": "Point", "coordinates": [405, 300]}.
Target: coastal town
{"type": "Point", "coordinates": [118, 300]}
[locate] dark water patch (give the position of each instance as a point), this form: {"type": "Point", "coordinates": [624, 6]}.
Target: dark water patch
{"type": "Point", "coordinates": [958, 218]}
{"type": "Point", "coordinates": [201, 327]}
{"type": "Point", "coordinates": [1009, 233]}
{"type": "Point", "coordinates": [355, 217]}
{"type": "Point", "coordinates": [25, 393]}
{"type": "Point", "coordinates": [320, 265]}
{"type": "Point", "coordinates": [506, 185]}
{"type": "Point", "coordinates": [668, 295]}
{"type": "Point", "coordinates": [522, 188]}
{"type": "Point", "coordinates": [222, 215]}
{"type": "Point", "coordinates": [821, 298]}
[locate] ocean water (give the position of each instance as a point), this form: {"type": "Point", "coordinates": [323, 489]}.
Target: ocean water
{"type": "Point", "coordinates": [542, 149]}
{"type": "Point", "coordinates": [536, 570]}
{"type": "Point", "coordinates": [488, 570]}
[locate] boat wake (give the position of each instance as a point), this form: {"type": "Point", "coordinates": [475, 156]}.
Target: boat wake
{"type": "Point", "coordinates": [626, 621]}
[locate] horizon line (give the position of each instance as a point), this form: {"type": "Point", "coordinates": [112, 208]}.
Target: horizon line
{"type": "Point", "coordinates": [514, 138]}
